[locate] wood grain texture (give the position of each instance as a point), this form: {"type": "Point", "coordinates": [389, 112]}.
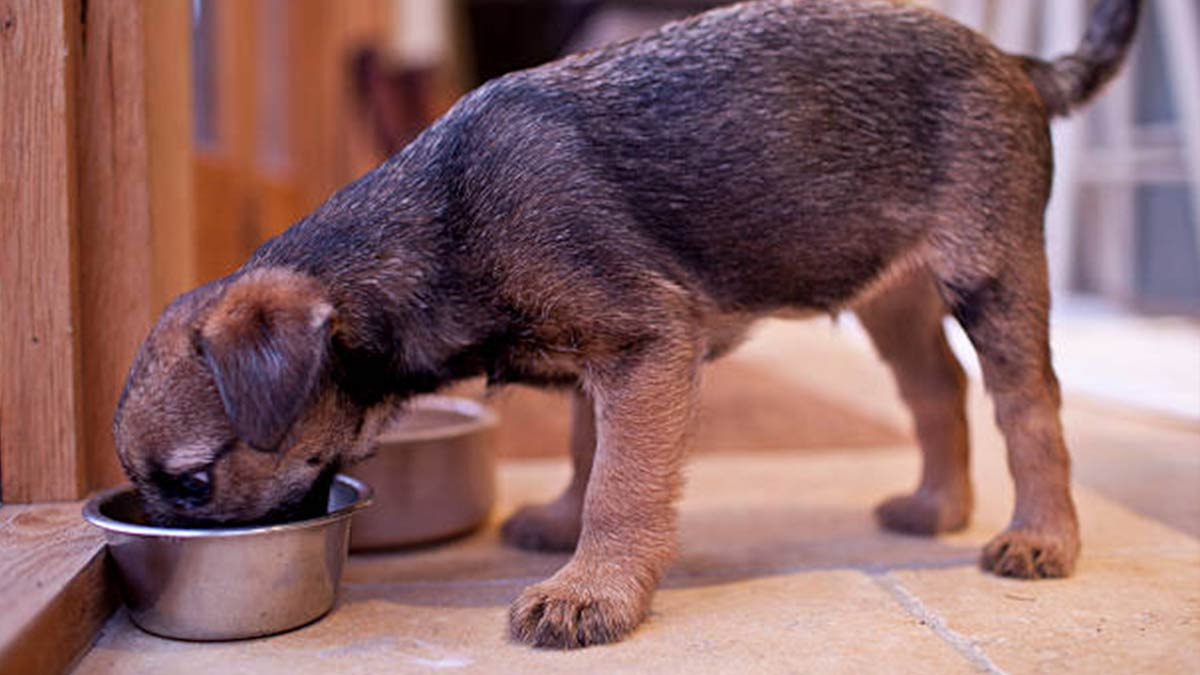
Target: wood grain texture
{"type": "Point", "coordinates": [167, 65]}
{"type": "Point", "coordinates": [40, 403]}
{"type": "Point", "coordinates": [56, 593]}
{"type": "Point", "coordinates": [114, 220]}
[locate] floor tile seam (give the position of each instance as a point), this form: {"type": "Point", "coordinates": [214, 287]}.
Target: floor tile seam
{"type": "Point", "coordinates": [737, 573]}
{"type": "Point", "coordinates": [911, 604]}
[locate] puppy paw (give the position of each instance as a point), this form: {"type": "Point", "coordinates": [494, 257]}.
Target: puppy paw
{"type": "Point", "coordinates": [1025, 554]}
{"type": "Point", "coordinates": [924, 513]}
{"type": "Point", "coordinates": [564, 614]}
{"type": "Point", "coordinates": [543, 527]}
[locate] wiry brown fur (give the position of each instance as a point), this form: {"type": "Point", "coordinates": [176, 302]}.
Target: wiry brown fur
{"type": "Point", "coordinates": [610, 221]}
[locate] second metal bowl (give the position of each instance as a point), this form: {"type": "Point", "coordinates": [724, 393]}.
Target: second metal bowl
{"type": "Point", "coordinates": [434, 471]}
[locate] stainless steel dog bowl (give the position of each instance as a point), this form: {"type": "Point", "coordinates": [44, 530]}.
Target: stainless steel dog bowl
{"type": "Point", "coordinates": [227, 584]}
{"type": "Point", "coordinates": [434, 474]}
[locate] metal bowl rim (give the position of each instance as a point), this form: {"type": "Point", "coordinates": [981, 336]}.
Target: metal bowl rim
{"type": "Point", "coordinates": [364, 496]}
{"type": "Point", "coordinates": [481, 417]}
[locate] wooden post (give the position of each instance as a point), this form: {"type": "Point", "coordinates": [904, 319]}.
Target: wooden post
{"type": "Point", "coordinates": [75, 239]}
{"type": "Point", "coordinates": [40, 401]}
{"type": "Point", "coordinates": [116, 280]}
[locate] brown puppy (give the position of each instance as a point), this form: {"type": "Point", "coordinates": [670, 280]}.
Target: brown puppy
{"type": "Point", "coordinates": [610, 221]}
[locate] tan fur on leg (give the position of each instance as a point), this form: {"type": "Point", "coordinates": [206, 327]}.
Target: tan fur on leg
{"type": "Point", "coordinates": [644, 403]}
{"type": "Point", "coordinates": [905, 322]}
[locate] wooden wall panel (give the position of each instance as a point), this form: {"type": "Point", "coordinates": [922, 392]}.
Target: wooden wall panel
{"type": "Point", "coordinates": [168, 76]}
{"type": "Point", "coordinates": [74, 239]}
{"type": "Point", "coordinates": [116, 277]}
{"type": "Point", "coordinates": [40, 405]}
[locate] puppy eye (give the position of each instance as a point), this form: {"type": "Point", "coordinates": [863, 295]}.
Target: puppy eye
{"type": "Point", "coordinates": [195, 488]}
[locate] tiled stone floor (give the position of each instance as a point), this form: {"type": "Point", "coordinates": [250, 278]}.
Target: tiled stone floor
{"type": "Point", "coordinates": [782, 569]}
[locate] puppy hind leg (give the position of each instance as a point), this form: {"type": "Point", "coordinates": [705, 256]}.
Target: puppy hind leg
{"type": "Point", "coordinates": [1006, 317]}
{"type": "Point", "coordinates": [905, 324]}
{"type": "Point", "coordinates": [555, 525]}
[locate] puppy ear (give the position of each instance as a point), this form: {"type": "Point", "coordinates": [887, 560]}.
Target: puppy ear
{"type": "Point", "coordinates": [267, 343]}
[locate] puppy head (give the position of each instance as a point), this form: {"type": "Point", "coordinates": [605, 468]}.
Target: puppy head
{"type": "Point", "coordinates": [229, 414]}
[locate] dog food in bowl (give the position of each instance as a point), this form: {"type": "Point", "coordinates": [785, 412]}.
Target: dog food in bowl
{"type": "Point", "coordinates": [227, 583]}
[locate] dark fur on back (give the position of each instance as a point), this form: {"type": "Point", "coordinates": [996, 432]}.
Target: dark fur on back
{"type": "Point", "coordinates": [784, 166]}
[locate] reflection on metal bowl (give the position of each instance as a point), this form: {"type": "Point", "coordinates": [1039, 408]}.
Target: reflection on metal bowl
{"type": "Point", "coordinates": [434, 474]}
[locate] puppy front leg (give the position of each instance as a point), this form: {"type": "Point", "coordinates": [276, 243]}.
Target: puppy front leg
{"type": "Point", "coordinates": [643, 405]}
{"type": "Point", "coordinates": [555, 526]}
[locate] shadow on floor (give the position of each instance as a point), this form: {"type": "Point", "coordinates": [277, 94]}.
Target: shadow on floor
{"type": "Point", "coordinates": [718, 547]}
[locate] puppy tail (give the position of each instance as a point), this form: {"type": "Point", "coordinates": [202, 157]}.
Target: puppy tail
{"type": "Point", "coordinates": [1072, 80]}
